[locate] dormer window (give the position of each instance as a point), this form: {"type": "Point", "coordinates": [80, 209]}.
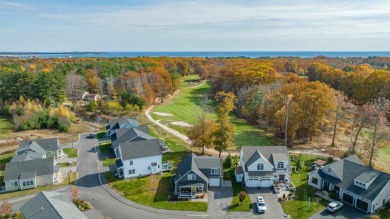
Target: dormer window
{"type": "Point", "coordinates": [329, 170]}
{"type": "Point", "coordinates": [260, 166]}
{"type": "Point", "coordinates": [215, 171]}
{"type": "Point", "coordinates": [191, 177]}
{"type": "Point", "coordinates": [280, 165]}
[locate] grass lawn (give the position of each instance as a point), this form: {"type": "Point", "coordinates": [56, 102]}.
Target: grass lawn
{"type": "Point", "coordinates": [237, 187]}
{"type": "Point", "coordinates": [73, 164]}
{"type": "Point", "coordinates": [105, 147]}
{"type": "Point", "coordinates": [7, 195]}
{"type": "Point", "coordinates": [173, 142]}
{"type": "Point", "coordinates": [185, 107]}
{"type": "Point", "coordinates": [71, 152]}
{"type": "Point", "coordinates": [109, 162]}
{"type": "Point", "coordinates": [6, 128]}
{"type": "Point", "coordinates": [384, 154]}
{"type": "Point", "coordinates": [298, 208]}
{"type": "Point", "coordinates": [4, 158]}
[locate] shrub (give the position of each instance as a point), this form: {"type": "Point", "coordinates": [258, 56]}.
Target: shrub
{"type": "Point", "coordinates": [111, 107]}
{"type": "Point", "coordinates": [241, 196]}
{"type": "Point", "coordinates": [330, 159]}
{"type": "Point", "coordinates": [229, 161]}
{"type": "Point", "coordinates": [92, 105]}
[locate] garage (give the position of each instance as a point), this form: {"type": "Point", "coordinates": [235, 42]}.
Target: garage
{"type": "Point", "coordinates": [362, 205]}
{"type": "Point", "coordinates": [266, 183]}
{"type": "Point", "coordinates": [215, 182]}
{"type": "Point", "coordinates": [259, 183]}
{"type": "Point", "coordinates": [348, 199]}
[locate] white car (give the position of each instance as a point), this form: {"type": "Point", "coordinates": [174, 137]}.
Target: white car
{"type": "Point", "coordinates": [334, 206]}
{"type": "Point", "coordinates": [260, 203]}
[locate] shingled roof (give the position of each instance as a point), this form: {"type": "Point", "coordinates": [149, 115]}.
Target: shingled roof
{"type": "Point", "coordinates": [199, 165]}
{"type": "Point", "coordinates": [51, 205]}
{"type": "Point", "coordinates": [139, 149]}
{"type": "Point", "coordinates": [38, 167]}
{"type": "Point", "coordinates": [129, 134]}
{"type": "Point", "coordinates": [39, 145]}
{"type": "Point", "coordinates": [122, 123]}
{"type": "Point", "coordinates": [270, 153]}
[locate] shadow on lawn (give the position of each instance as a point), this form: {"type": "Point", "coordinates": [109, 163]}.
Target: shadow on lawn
{"type": "Point", "coordinates": [163, 189]}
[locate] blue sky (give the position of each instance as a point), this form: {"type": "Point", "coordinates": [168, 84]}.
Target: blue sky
{"type": "Point", "coordinates": [205, 25]}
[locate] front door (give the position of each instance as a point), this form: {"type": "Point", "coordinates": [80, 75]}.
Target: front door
{"type": "Point", "coordinates": [281, 178]}
{"type": "Point", "coordinates": [326, 185]}
{"type": "Point", "coordinates": [154, 169]}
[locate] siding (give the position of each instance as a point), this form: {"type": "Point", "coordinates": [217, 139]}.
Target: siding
{"type": "Point", "coordinates": [141, 166]}
{"type": "Point", "coordinates": [44, 180]}
{"type": "Point", "coordinates": [184, 179]}
{"type": "Point", "coordinates": [319, 184]}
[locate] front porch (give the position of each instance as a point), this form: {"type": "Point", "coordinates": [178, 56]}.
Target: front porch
{"type": "Point", "coordinates": [193, 191]}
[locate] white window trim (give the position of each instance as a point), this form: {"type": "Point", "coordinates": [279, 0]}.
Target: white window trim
{"type": "Point", "coordinates": [215, 171]}
{"type": "Point", "coordinates": [260, 166]}
{"type": "Point", "coordinates": [12, 184]}
{"type": "Point", "coordinates": [131, 171]}
{"type": "Point", "coordinates": [131, 162]}
{"type": "Point", "coordinates": [282, 164]}
{"type": "Point", "coordinates": [191, 176]}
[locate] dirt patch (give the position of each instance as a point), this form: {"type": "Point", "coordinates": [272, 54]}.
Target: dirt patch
{"type": "Point", "coordinates": [183, 124]}
{"type": "Point", "coordinates": [163, 114]}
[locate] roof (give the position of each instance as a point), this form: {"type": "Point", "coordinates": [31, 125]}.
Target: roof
{"type": "Point", "coordinates": [123, 123]}
{"type": "Point", "coordinates": [139, 149]}
{"type": "Point", "coordinates": [351, 168]}
{"type": "Point", "coordinates": [319, 162]}
{"type": "Point", "coordinates": [239, 170]}
{"type": "Point", "coordinates": [41, 167]}
{"type": "Point", "coordinates": [48, 144]}
{"type": "Point", "coordinates": [191, 184]}
{"type": "Point", "coordinates": [51, 205]}
{"type": "Point", "coordinates": [29, 155]}
{"type": "Point", "coordinates": [260, 173]}
{"type": "Point", "coordinates": [28, 175]}
{"type": "Point", "coordinates": [198, 165]}
{"type": "Point", "coordinates": [253, 153]}
{"type": "Point", "coordinates": [130, 134]}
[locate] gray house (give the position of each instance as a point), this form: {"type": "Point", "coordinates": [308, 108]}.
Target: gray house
{"type": "Point", "coordinates": [195, 174]}
{"type": "Point", "coordinates": [115, 124]}
{"type": "Point", "coordinates": [356, 184]}
{"type": "Point", "coordinates": [27, 174]}
{"type": "Point", "coordinates": [51, 205]}
{"type": "Point", "coordinates": [41, 148]}
{"type": "Point", "coordinates": [126, 135]}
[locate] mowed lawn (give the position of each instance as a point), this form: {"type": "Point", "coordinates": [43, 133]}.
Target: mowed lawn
{"type": "Point", "coordinates": [6, 128]}
{"type": "Point", "coordinates": [185, 107]}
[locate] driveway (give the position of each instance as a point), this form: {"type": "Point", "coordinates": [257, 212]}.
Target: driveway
{"type": "Point", "coordinates": [274, 208]}
{"type": "Point", "coordinates": [346, 212]}
{"type": "Point", "coordinates": [219, 200]}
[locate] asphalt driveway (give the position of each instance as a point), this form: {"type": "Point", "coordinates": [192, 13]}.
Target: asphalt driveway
{"type": "Point", "coordinates": [219, 200]}
{"type": "Point", "coordinates": [274, 208]}
{"type": "Point", "coordinates": [346, 212]}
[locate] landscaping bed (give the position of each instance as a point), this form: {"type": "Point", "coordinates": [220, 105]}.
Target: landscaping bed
{"type": "Point", "coordinates": [109, 162]}
{"type": "Point", "coordinates": [237, 187]}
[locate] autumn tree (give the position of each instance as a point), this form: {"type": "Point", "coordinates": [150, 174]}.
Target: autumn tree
{"type": "Point", "coordinates": [361, 118]}
{"type": "Point", "coordinates": [75, 192]}
{"type": "Point", "coordinates": [241, 196]}
{"type": "Point", "coordinates": [342, 109]}
{"type": "Point", "coordinates": [201, 134]}
{"type": "Point", "coordinates": [92, 80]}
{"type": "Point", "coordinates": [6, 207]}
{"type": "Point", "coordinates": [223, 135]}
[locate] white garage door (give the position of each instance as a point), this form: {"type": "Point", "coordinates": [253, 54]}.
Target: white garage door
{"type": "Point", "coordinates": [215, 181]}
{"type": "Point", "coordinates": [257, 183]}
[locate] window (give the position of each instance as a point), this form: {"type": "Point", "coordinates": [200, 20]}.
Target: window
{"type": "Point", "coordinates": [148, 167]}
{"type": "Point", "coordinates": [132, 171]}
{"type": "Point", "coordinates": [13, 183]}
{"type": "Point", "coordinates": [191, 177]}
{"type": "Point", "coordinates": [131, 163]}
{"type": "Point", "coordinates": [280, 165]}
{"type": "Point", "coordinates": [260, 166]}
{"type": "Point", "coordinates": [28, 183]}
{"type": "Point", "coordinates": [215, 171]}
{"type": "Point", "coordinates": [158, 166]}
{"type": "Point", "coordinates": [329, 170]}
{"type": "Point", "coordinates": [314, 180]}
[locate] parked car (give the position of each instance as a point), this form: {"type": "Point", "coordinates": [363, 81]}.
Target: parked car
{"type": "Point", "coordinates": [91, 136]}
{"type": "Point", "coordinates": [334, 206]}
{"type": "Point", "coordinates": [260, 203]}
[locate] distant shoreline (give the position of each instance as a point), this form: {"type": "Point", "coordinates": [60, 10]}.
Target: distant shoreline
{"type": "Point", "coordinates": [198, 54]}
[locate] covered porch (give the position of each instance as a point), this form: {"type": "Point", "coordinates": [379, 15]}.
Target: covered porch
{"type": "Point", "coordinates": [192, 190]}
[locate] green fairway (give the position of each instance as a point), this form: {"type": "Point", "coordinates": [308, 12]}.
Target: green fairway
{"type": "Point", "coordinates": [185, 107]}
{"type": "Point", "coordinates": [6, 128]}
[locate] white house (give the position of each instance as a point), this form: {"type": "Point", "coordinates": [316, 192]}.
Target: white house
{"type": "Point", "coordinates": [356, 184]}
{"type": "Point", "coordinates": [262, 166]}
{"type": "Point", "coordinates": [41, 148]}
{"type": "Point", "coordinates": [139, 158]}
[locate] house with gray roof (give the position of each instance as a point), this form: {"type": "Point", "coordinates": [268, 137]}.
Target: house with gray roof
{"type": "Point", "coordinates": [139, 158]}
{"type": "Point", "coordinates": [262, 166]}
{"type": "Point", "coordinates": [30, 173]}
{"type": "Point", "coordinates": [115, 124]}
{"type": "Point", "coordinates": [356, 184]}
{"type": "Point", "coordinates": [51, 205]}
{"type": "Point", "coordinates": [126, 135]}
{"type": "Point", "coordinates": [41, 148]}
{"type": "Point", "coordinates": [195, 174]}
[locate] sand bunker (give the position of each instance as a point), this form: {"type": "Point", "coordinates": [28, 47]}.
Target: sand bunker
{"type": "Point", "coordinates": [162, 114]}
{"type": "Point", "coordinates": [184, 124]}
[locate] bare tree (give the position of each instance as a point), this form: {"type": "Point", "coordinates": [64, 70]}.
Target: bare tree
{"type": "Point", "coordinates": [288, 101]}
{"type": "Point", "coordinates": [379, 110]}
{"type": "Point", "coordinates": [341, 112]}
{"type": "Point", "coordinates": [361, 117]}
{"type": "Point", "coordinates": [75, 85]}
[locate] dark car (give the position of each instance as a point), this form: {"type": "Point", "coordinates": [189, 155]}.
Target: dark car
{"type": "Point", "coordinates": [91, 136]}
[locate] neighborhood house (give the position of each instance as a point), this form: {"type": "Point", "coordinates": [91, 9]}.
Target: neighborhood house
{"type": "Point", "coordinates": [41, 148]}
{"type": "Point", "coordinates": [114, 124]}
{"type": "Point", "coordinates": [27, 174]}
{"type": "Point", "coordinates": [195, 174]}
{"type": "Point", "coordinates": [262, 166]}
{"type": "Point", "coordinates": [356, 184]}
